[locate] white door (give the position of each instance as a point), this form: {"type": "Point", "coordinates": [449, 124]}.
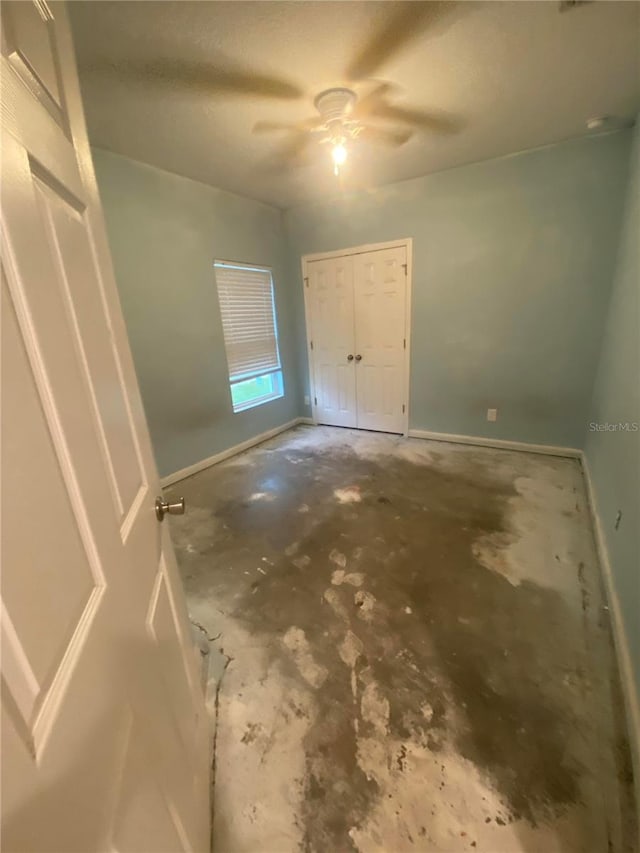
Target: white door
{"type": "Point", "coordinates": [356, 319]}
{"type": "Point", "coordinates": [379, 281]}
{"type": "Point", "coordinates": [105, 742]}
{"type": "Point", "coordinates": [332, 338]}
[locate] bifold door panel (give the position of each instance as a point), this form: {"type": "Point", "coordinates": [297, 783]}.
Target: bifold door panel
{"type": "Point", "coordinates": [379, 284]}
{"type": "Point", "coordinates": [331, 299]}
{"type": "Point", "coordinates": [357, 317]}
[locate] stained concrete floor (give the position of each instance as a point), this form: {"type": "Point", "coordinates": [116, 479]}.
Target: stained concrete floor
{"type": "Point", "coordinates": [417, 655]}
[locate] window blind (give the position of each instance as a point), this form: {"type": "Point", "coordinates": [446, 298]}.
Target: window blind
{"type": "Point", "coordinates": [248, 320]}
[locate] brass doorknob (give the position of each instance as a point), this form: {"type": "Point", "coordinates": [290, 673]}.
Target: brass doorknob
{"type": "Point", "coordinates": [163, 507]}
{"type": "Point", "coordinates": [350, 357]}
{"type": "Point", "coordinates": [358, 358]}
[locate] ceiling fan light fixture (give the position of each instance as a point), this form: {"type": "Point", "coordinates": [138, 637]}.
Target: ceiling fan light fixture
{"type": "Point", "coordinates": [339, 156]}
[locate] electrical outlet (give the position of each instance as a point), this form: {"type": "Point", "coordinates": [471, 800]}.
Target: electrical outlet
{"type": "Point", "coordinates": [492, 414]}
{"type": "Point", "coordinates": [307, 400]}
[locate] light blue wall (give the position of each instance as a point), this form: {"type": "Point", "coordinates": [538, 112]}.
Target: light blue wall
{"type": "Point", "coordinates": [513, 264]}
{"type": "Point", "coordinates": [514, 261]}
{"type": "Point", "coordinates": [614, 457]}
{"type": "Point", "coordinates": [165, 232]}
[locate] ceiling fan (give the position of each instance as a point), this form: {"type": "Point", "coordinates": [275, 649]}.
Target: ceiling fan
{"type": "Point", "coordinates": [343, 116]}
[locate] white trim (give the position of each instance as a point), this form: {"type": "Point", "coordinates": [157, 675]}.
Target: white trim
{"type": "Point", "coordinates": [407, 244]}
{"type": "Point", "coordinates": [16, 669]}
{"type": "Point", "coordinates": [498, 443]}
{"type": "Point", "coordinates": [623, 653]}
{"type": "Point", "coordinates": [266, 398]}
{"type": "Point", "coordinates": [183, 473]}
{"type": "Point", "coordinates": [307, 334]}
{"type": "Point", "coordinates": [240, 265]}
{"type": "Point", "coordinates": [407, 333]}
{"type": "Point", "coordinates": [357, 250]}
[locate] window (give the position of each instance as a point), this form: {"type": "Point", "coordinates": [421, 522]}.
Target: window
{"type": "Point", "coordinates": [250, 334]}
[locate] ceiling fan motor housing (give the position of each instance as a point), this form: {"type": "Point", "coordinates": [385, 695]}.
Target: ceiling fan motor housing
{"type": "Point", "coordinates": [335, 104]}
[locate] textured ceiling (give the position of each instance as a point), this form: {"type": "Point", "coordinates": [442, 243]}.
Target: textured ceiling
{"type": "Point", "coordinates": [156, 78]}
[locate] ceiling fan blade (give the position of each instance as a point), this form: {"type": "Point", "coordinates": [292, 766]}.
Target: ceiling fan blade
{"type": "Point", "coordinates": [367, 103]}
{"type": "Point", "coordinates": [292, 154]}
{"type": "Point", "coordinates": [383, 136]}
{"type": "Point", "coordinates": [435, 121]}
{"type": "Point", "coordinates": [271, 126]}
{"type": "Point", "coordinates": [207, 78]}
{"type": "Point", "coordinates": [406, 22]}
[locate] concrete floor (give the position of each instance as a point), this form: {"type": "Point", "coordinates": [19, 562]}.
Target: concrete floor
{"type": "Point", "coordinates": [418, 657]}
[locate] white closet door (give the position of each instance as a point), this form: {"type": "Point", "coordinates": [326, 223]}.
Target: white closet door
{"type": "Point", "coordinates": [332, 335]}
{"type": "Point", "coordinates": [380, 299]}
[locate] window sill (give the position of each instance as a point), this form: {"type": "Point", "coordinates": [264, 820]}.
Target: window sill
{"type": "Point", "coordinates": [253, 403]}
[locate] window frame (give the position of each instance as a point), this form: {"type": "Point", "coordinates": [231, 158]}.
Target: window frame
{"type": "Point", "coordinates": [276, 374]}
{"type": "Point", "coordinates": [277, 380]}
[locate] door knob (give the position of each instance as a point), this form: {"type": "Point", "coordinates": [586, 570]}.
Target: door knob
{"type": "Point", "coordinates": [350, 357]}
{"type": "Point", "coordinates": [358, 358]}
{"type": "Point", "coordinates": [163, 507]}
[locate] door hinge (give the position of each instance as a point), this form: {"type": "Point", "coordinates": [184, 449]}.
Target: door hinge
{"type": "Point", "coordinates": [404, 343]}
{"type": "Point", "coordinates": [315, 401]}
{"type": "Point", "coordinates": [306, 280]}
{"type": "Point", "coordinates": [403, 408]}
{"type": "Point", "coordinates": [405, 268]}
{"type": "Point", "coordinates": [311, 344]}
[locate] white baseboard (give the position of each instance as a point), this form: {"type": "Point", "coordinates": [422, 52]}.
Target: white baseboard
{"type": "Point", "coordinates": [500, 444]}
{"type": "Point", "coordinates": [623, 652]}
{"type": "Point", "coordinates": [170, 479]}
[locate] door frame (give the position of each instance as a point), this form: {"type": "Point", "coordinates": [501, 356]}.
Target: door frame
{"type": "Point", "coordinates": [407, 243]}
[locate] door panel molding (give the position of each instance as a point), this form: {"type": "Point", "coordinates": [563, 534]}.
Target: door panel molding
{"type": "Point", "coordinates": [352, 252]}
